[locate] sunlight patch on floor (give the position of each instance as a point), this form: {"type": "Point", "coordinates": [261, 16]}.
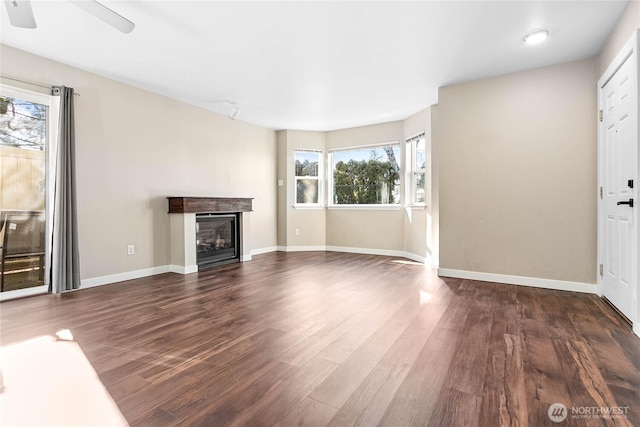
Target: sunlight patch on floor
{"type": "Point", "coordinates": [425, 297]}
{"type": "Point", "coordinates": [49, 381]}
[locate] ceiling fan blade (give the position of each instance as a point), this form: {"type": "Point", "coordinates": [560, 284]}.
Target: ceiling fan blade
{"type": "Point", "coordinates": [20, 13]}
{"type": "Point", "coordinates": [105, 14]}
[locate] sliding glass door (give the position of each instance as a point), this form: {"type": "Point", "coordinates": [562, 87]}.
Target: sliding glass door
{"type": "Point", "coordinates": [24, 131]}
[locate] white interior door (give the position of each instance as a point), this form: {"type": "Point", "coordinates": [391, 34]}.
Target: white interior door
{"type": "Point", "coordinates": [619, 182]}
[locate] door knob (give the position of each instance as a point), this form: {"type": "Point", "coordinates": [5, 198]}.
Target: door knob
{"type": "Point", "coordinates": [630, 203]}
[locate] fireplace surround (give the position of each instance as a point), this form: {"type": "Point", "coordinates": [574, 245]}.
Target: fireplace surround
{"type": "Point", "coordinates": [208, 231]}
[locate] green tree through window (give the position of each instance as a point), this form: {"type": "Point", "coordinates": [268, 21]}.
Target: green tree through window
{"type": "Point", "coordinates": [372, 181]}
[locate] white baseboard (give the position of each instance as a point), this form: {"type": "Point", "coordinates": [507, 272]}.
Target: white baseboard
{"type": "Point", "coordinates": [560, 285]}
{"type": "Point", "coordinates": [416, 258]}
{"type": "Point", "coordinates": [636, 329]}
{"type": "Point", "coordinates": [302, 248]}
{"type": "Point", "coordinates": [129, 275]}
{"type": "Point", "coordinates": [264, 250]}
{"type": "Point", "coordinates": [181, 269]}
{"type": "Point", "coordinates": [121, 277]}
{"type": "Point", "coordinates": [365, 251]}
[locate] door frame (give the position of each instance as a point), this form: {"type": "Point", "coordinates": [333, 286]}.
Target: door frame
{"type": "Point", "coordinates": [630, 48]}
{"type": "Point", "coordinates": [52, 132]}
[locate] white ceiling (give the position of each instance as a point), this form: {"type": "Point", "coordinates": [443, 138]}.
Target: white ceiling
{"type": "Point", "coordinates": [314, 65]}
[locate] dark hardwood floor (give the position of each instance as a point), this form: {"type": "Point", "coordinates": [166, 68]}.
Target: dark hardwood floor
{"type": "Point", "coordinates": [338, 339]}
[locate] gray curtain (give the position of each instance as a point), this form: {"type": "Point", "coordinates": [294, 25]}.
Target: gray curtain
{"type": "Point", "coordinates": [65, 268]}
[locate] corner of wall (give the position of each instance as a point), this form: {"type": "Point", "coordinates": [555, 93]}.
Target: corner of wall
{"type": "Point", "coordinates": [435, 188]}
{"type": "Point", "coordinates": [628, 22]}
{"type": "Point", "coordinates": [281, 191]}
{"type": "Point", "coordinates": [310, 222]}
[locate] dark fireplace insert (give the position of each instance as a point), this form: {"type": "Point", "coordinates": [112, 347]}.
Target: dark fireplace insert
{"type": "Point", "coordinates": [217, 239]}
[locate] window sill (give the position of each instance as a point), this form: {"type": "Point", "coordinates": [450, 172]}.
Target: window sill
{"type": "Point", "coordinates": [366, 207]}
{"type": "Point", "coordinates": [308, 207]}
{"type": "Point", "coordinates": [361, 207]}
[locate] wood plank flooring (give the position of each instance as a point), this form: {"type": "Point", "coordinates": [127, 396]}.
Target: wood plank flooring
{"type": "Point", "coordinates": [334, 339]}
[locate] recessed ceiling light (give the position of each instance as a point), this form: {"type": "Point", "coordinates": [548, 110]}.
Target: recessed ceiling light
{"type": "Point", "coordinates": [536, 37]}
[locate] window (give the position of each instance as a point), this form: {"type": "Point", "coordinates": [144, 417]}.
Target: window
{"type": "Point", "coordinates": [307, 175]}
{"type": "Point", "coordinates": [368, 175]}
{"type": "Point", "coordinates": [416, 158]}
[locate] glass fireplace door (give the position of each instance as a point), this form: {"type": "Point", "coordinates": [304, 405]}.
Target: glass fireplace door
{"type": "Point", "coordinates": [216, 239]}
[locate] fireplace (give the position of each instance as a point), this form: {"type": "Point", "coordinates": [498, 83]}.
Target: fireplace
{"type": "Point", "coordinates": [208, 231]}
{"type": "Point", "coordinates": [217, 239]}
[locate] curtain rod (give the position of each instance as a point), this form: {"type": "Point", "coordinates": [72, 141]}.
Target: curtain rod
{"type": "Point", "coordinates": [415, 137]}
{"type": "Point", "coordinates": [30, 83]}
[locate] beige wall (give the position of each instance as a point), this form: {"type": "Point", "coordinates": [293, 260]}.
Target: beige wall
{"type": "Point", "coordinates": [134, 148]}
{"type": "Point", "coordinates": [365, 229]}
{"type": "Point", "coordinates": [517, 174]}
{"type": "Point", "coordinates": [364, 135]}
{"type": "Point", "coordinates": [311, 222]}
{"type": "Point", "coordinates": [281, 173]}
{"type": "Point", "coordinates": [435, 188]}
{"type": "Point", "coordinates": [623, 30]}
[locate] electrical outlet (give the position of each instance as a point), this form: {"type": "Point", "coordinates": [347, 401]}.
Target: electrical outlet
{"type": "Point", "coordinates": [296, 231]}
{"type": "Point", "coordinates": [131, 250]}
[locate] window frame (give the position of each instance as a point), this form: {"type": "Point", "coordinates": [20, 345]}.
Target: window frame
{"type": "Point", "coordinates": [363, 206]}
{"type": "Point", "coordinates": [411, 147]}
{"type": "Point", "coordinates": [319, 178]}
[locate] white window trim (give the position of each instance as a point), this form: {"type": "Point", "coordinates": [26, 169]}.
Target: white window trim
{"type": "Point", "coordinates": [335, 206]}
{"type": "Point", "coordinates": [319, 178]}
{"type": "Point", "coordinates": [308, 206]}
{"type": "Point", "coordinates": [411, 170]}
